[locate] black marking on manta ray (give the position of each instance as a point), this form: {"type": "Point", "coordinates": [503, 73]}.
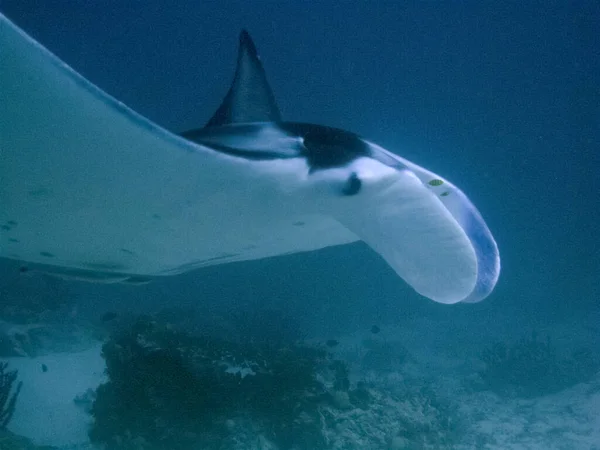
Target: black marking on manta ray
{"type": "Point", "coordinates": [299, 224]}
{"type": "Point", "coordinates": [328, 147]}
{"type": "Point", "coordinates": [322, 147]}
{"type": "Point", "coordinates": [47, 254]}
{"type": "Point", "coordinates": [353, 185]}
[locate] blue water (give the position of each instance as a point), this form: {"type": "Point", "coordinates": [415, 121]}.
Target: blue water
{"type": "Point", "coordinates": [502, 98]}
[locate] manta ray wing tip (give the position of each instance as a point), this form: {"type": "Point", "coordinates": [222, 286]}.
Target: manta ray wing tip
{"type": "Point", "coordinates": [247, 43]}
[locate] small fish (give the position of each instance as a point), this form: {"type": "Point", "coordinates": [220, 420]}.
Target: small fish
{"type": "Point", "coordinates": [23, 269]}
{"type": "Point", "coordinates": [107, 317]}
{"type": "Point", "coordinates": [331, 343]}
{"type": "Point", "coordinates": [375, 329]}
{"type": "Point", "coordinates": [44, 368]}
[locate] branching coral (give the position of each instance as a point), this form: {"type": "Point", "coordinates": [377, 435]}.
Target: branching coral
{"type": "Point", "coordinates": [8, 398]}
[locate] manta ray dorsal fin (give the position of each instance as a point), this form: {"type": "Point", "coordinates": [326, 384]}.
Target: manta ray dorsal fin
{"type": "Point", "coordinates": [250, 98]}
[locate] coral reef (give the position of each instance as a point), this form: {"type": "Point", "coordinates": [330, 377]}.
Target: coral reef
{"type": "Point", "coordinates": [169, 389]}
{"type": "Point", "coordinates": [8, 397]}
{"type": "Point", "coordinates": [533, 367]}
{"type": "Point", "coordinates": [405, 418]}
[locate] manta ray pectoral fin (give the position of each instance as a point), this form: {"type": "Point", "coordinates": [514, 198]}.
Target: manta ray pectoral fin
{"type": "Point", "coordinates": [250, 97]}
{"type": "Point", "coordinates": [88, 185]}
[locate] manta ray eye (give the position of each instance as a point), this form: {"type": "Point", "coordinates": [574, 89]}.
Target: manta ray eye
{"type": "Point", "coordinates": [352, 185]}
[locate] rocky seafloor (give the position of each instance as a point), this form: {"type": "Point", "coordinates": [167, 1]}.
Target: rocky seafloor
{"type": "Point", "coordinates": [152, 387]}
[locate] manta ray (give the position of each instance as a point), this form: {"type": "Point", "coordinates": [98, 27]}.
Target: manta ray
{"type": "Point", "coordinates": [91, 189]}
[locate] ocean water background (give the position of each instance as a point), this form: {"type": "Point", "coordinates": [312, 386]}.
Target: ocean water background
{"type": "Point", "coordinates": [501, 98]}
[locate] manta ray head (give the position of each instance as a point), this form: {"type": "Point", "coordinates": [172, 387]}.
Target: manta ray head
{"type": "Point", "coordinates": [421, 224]}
